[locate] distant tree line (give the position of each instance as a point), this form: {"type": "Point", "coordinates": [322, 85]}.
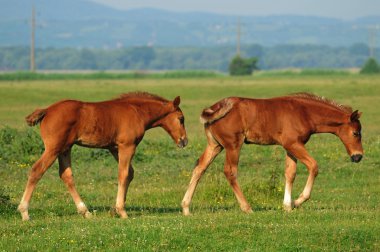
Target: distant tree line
{"type": "Point", "coordinates": [203, 58]}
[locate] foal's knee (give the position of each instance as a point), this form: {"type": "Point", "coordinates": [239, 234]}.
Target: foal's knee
{"type": "Point", "coordinates": [230, 174]}
{"type": "Point", "coordinates": [67, 178]}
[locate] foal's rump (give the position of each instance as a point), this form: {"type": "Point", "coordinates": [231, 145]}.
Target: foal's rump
{"type": "Point", "coordinates": [218, 110]}
{"type": "Point", "coordinates": [62, 109]}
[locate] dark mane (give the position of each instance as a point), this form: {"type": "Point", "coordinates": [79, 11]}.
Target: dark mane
{"type": "Point", "coordinates": [141, 95]}
{"type": "Point", "coordinates": [322, 99]}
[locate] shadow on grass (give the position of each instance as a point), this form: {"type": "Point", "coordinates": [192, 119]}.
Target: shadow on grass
{"type": "Point", "coordinates": [8, 210]}
{"type": "Point", "coordinates": [135, 210]}
{"type": "Point", "coordinates": [144, 210]}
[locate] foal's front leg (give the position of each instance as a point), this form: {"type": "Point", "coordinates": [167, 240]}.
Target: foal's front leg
{"type": "Point", "coordinates": [290, 175]}
{"type": "Point", "coordinates": [125, 176]}
{"type": "Point", "coordinates": [298, 151]}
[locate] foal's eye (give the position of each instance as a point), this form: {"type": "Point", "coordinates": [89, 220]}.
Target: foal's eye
{"type": "Point", "coordinates": [182, 120]}
{"type": "Point", "coordinates": [356, 133]}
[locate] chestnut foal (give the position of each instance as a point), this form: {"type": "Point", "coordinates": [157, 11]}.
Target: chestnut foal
{"type": "Point", "coordinates": [117, 125]}
{"type": "Point", "coordinates": [288, 121]}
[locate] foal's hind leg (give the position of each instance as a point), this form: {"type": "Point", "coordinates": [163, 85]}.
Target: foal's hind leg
{"type": "Point", "coordinates": [66, 175]}
{"type": "Point", "coordinates": [37, 171]}
{"type": "Point", "coordinates": [299, 152]}
{"type": "Point", "coordinates": [212, 150]}
{"type": "Point", "coordinates": [290, 174]}
{"type": "Point", "coordinates": [230, 170]}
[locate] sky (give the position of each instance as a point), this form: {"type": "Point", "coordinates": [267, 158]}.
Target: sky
{"type": "Point", "coordinates": [342, 9]}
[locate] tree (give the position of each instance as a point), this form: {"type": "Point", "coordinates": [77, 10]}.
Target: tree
{"type": "Point", "coordinates": [241, 66]}
{"type": "Point", "coordinates": [370, 67]}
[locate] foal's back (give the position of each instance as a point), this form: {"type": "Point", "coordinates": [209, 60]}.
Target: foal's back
{"type": "Point", "coordinates": [264, 121]}
{"type": "Point", "coordinates": [92, 124]}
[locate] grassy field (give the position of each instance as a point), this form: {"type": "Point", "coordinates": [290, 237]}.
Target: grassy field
{"type": "Point", "coordinates": [342, 215]}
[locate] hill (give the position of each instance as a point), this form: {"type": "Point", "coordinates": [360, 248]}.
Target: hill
{"type": "Point", "coordinates": [80, 23]}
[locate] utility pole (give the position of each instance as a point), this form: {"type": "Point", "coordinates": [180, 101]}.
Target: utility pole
{"type": "Point", "coordinates": [238, 34]}
{"type": "Point", "coordinates": [32, 41]}
{"type": "Point", "coordinates": [372, 41]}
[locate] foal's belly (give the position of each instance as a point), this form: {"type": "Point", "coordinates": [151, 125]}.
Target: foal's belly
{"type": "Point", "coordinates": [94, 141]}
{"type": "Point", "coordinates": [261, 139]}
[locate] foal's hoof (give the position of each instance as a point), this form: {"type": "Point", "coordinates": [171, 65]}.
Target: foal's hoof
{"type": "Point", "coordinates": [287, 208]}
{"type": "Point", "coordinates": [87, 215]}
{"type": "Point", "coordinates": [24, 212]}
{"type": "Point", "coordinates": [298, 202]}
{"type": "Point", "coordinates": [121, 213]}
{"type": "Point", "coordinates": [186, 211]}
{"type": "Point", "coordinates": [247, 210]}
{"type": "Point", "coordinates": [25, 217]}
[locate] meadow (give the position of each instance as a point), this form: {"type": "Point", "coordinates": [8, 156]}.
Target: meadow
{"type": "Point", "coordinates": [343, 213]}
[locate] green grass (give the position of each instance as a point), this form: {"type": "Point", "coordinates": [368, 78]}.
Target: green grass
{"type": "Point", "coordinates": [342, 215]}
{"type": "Point", "coordinates": [312, 72]}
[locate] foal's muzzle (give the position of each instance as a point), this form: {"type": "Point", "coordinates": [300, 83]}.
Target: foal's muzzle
{"type": "Point", "coordinates": [356, 158]}
{"type": "Point", "coordinates": [182, 142]}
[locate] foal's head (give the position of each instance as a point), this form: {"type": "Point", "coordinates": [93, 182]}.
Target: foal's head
{"type": "Point", "coordinates": [174, 123]}
{"type": "Point", "coordinates": [350, 134]}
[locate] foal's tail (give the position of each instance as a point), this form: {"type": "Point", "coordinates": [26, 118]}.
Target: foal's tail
{"type": "Point", "coordinates": [35, 117]}
{"type": "Point", "coordinates": [216, 111]}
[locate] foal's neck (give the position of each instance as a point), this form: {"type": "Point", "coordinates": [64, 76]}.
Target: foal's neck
{"type": "Point", "coordinates": [328, 121]}
{"type": "Point", "coordinates": [152, 111]}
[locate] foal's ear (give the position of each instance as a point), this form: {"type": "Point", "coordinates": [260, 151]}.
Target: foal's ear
{"type": "Point", "coordinates": [355, 115]}
{"type": "Point", "coordinates": [177, 101]}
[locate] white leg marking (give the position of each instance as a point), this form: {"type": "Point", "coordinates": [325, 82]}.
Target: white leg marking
{"type": "Point", "coordinates": [23, 209]}
{"type": "Point", "coordinates": [288, 205]}
{"type": "Point", "coordinates": [82, 209]}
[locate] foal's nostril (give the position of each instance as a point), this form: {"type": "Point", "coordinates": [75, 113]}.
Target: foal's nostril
{"type": "Point", "coordinates": [182, 142]}
{"type": "Point", "coordinates": [356, 158]}
{"type": "Point", "coordinates": [185, 142]}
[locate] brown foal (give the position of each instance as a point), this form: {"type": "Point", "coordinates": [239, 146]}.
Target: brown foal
{"type": "Point", "coordinates": [117, 125]}
{"type": "Point", "coordinates": [288, 121]}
